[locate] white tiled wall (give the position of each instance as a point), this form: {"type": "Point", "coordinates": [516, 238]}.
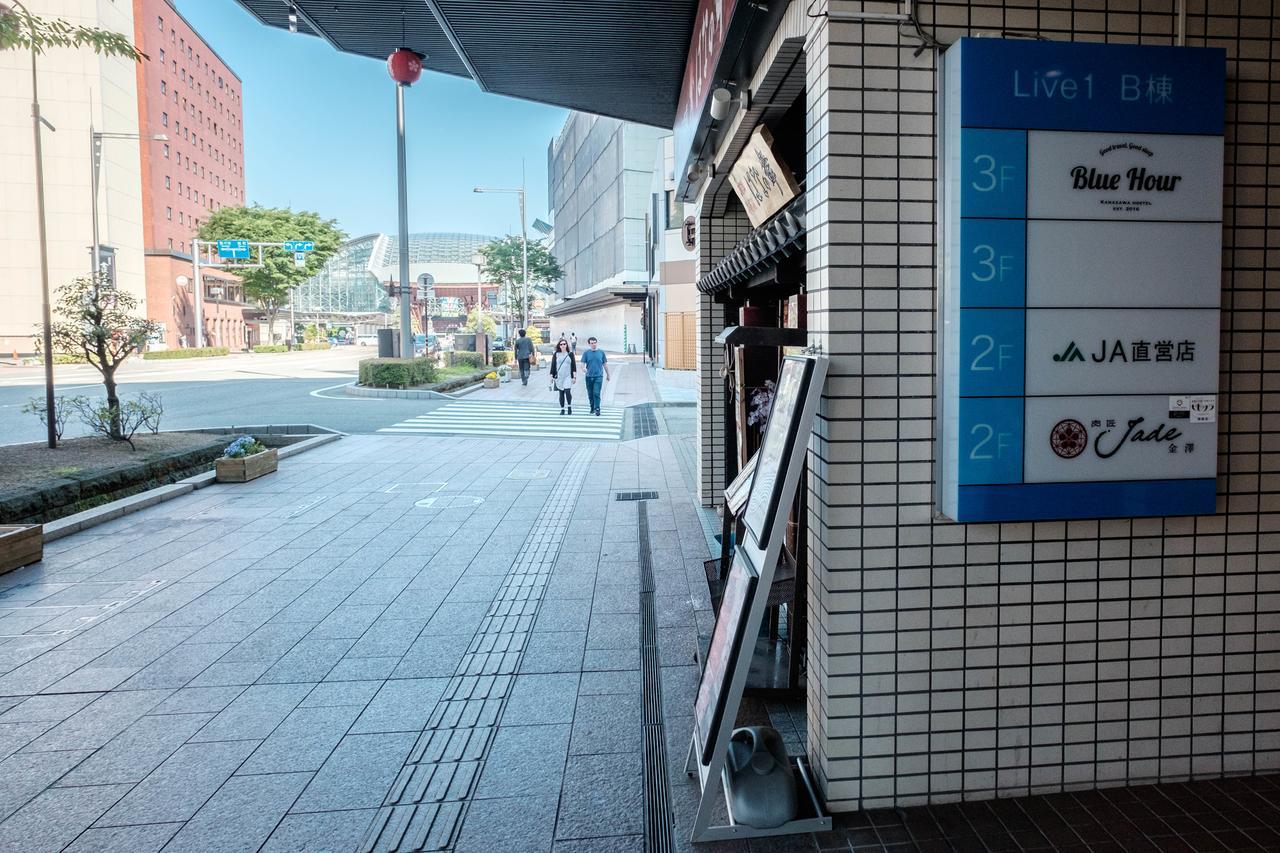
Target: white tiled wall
{"type": "Point", "coordinates": [955, 661]}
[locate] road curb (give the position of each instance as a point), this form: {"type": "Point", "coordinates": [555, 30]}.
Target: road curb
{"type": "Point", "coordinates": [394, 393]}
{"type": "Point", "coordinates": [55, 530]}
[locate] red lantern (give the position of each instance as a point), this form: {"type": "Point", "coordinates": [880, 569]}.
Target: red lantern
{"type": "Point", "coordinates": [405, 66]}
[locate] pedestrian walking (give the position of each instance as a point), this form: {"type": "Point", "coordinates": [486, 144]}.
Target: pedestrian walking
{"type": "Point", "coordinates": [573, 342]}
{"type": "Point", "coordinates": [564, 373]}
{"type": "Point", "coordinates": [596, 366]}
{"type": "Point", "coordinates": [524, 352]}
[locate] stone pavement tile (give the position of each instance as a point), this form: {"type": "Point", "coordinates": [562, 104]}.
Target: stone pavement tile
{"type": "Point", "coordinates": [240, 816]}
{"type": "Point", "coordinates": [52, 708]}
{"type": "Point", "coordinates": [358, 774]}
{"type": "Point", "coordinates": [363, 669]}
{"type": "Point", "coordinates": [456, 617]}
{"type": "Point", "coordinates": [267, 643]}
{"type": "Point", "coordinates": [227, 673]}
{"type": "Point", "coordinates": [112, 631]}
{"type": "Point", "coordinates": [254, 713]}
{"type": "Point", "coordinates": [566, 585]}
{"type": "Point", "coordinates": [554, 652]}
{"type": "Point", "coordinates": [146, 647]}
{"type": "Point", "coordinates": [606, 723]}
{"type": "Point", "coordinates": [14, 736]}
{"type": "Point", "coordinates": [93, 678]}
{"type": "Point", "coordinates": [303, 741]}
{"type": "Point", "coordinates": [672, 611]}
{"type": "Point", "coordinates": [434, 655]}
{"type": "Point", "coordinates": [332, 693]}
{"type": "Point", "coordinates": [538, 699]}
{"type": "Point", "coordinates": [481, 588]}
{"type": "Point", "coordinates": [347, 621]}
{"type": "Point", "coordinates": [679, 689]}
{"type": "Point", "coordinates": [231, 627]}
{"type": "Point", "coordinates": [202, 611]}
{"type": "Point", "coordinates": [610, 659]}
{"type": "Point", "coordinates": [198, 700]}
{"type": "Point", "coordinates": [402, 565]}
{"type": "Point", "coordinates": [37, 674]}
{"type": "Point", "coordinates": [137, 750]}
{"type": "Point", "coordinates": [524, 761]}
{"type": "Point", "coordinates": [677, 644]}
{"type": "Point", "coordinates": [247, 582]}
{"type": "Point", "coordinates": [376, 591]}
{"type": "Point", "coordinates": [56, 817]}
{"type": "Point", "coordinates": [601, 796]}
{"type": "Point", "coordinates": [614, 631]}
{"type": "Point", "coordinates": [99, 721]}
{"type": "Point", "coordinates": [624, 681]}
{"type": "Point", "coordinates": [387, 638]}
{"type": "Point", "coordinates": [563, 615]}
{"type": "Point", "coordinates": [180, 786]}
{"type": "Point", "coordinates": [615, 597]}
{"type": "Point", "coordinates": [26, 774]}
{"type": "Point", "coordinates": [143, 838]}
{"type": "Point", "coordinates": [320, 832]}
{"type": "Point", "coordinates": [519, 825]}
{"type": "Point", "coordinates": [309, 660]}
{"type": "Point", "coordinates": [614, 844]}
{"type": "Point", "coordinates": [402, 705]}
{"type": "Point", "coordinates": [178, 666]}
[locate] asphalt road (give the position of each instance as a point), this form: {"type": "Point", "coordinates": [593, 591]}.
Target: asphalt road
{"type": "Point", "coordinates": [238, 389]}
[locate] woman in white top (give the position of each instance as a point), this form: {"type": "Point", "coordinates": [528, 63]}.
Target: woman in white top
{"type": "Point", "coordinates": [564, 373]}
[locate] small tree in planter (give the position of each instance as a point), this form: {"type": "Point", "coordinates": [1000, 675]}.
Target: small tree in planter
{"type": "Point", "coordinates": [100, 321]}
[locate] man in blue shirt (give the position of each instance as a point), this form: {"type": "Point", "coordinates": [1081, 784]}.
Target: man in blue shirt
{"type": "Point", "coordinates": [596, 365]}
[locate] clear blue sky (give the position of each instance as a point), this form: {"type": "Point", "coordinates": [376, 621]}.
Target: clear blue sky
{"type": "Point", "coordinates": [320, 133]}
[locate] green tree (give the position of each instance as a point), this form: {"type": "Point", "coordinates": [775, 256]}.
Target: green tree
{"type": "Point", "coordinates": [271, 285]}
{"type": "Point", "coordinates": [480, 321]}
{"type": "Point", "coordinates": [21, 30]}
{"type": "Point", "coordinates": [503, 262]}
{"type": "Point", "coordinates": [102, 323]}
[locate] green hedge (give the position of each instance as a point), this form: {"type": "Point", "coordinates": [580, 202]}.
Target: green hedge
{"type": "Point", "coordinates": [465, 359]}
{"type": "Point", "coordinates": [501, 357]}
{"type": "Point", "coordinates": [190, 352]}
{"type": "Point", "coordinates": [397, 372]}
{"type": "Point", "coordinates": [316, 345]}
{"type": "Point", "coordinates": [270, 348]}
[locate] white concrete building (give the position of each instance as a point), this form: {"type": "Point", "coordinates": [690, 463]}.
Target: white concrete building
{"type": "Point", "coordinates": [673, 268]}
{"type": "Point", "coordinates": [78, 88]}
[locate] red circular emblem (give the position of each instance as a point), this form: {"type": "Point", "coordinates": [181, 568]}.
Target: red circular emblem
{"type": "Point", "coordinates": [1068, 439]}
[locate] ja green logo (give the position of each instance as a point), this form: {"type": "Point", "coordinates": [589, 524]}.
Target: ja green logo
{"type": "Point", "coordinates": [1071, 353]}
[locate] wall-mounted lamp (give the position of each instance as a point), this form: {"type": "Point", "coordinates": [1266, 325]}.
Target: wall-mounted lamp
{"type": "Point", "coordinates": [721, 100]}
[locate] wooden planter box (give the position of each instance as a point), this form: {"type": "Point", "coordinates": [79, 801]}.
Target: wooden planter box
{"type": "Point", "coordinates": [246, 469]}
{"type": "Point", "coordinates": [491, 383]}
{"type": "Point", "coordinates": [20, 545]}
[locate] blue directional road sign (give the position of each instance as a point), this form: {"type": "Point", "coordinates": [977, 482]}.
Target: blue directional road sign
{"type": "Point", "coordinates": [299, 246]}
{"type": "Point", "coordinates": [233, 249]}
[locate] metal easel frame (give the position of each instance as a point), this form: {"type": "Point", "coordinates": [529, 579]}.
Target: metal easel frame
{"type": "Point", "coordinates": [762, 562]}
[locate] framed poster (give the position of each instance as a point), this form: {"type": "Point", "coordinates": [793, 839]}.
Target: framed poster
{"type": "Point", "coordinates": [779, 445]}
{"type": "Point", "coordinates": [727, 641]}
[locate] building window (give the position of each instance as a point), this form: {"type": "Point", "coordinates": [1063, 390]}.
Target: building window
{"type": "Point", "coordinates": [675, 210]}
{"type": "Point", "coordinates": [166, 182]}
{"type": "Point", "coordinates": [168, 213]}
{"type": "Point", "coordinates": [164, 87]}
{"type": "Point", "coordinates": [160, 23]}
{"type": "Point", "coordinates": [162, 56]}
{"type": "Point", "coordinates": [170, 244]}
{"type": "Point", "coordinates": [166, 151]}
{"type": "Point", "coordinates": [164, 119]}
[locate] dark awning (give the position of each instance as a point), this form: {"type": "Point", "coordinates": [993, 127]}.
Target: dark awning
{"type": "Point", "coordinates": [779, 238]}
{"type": "Point", "coordinates": [610, 57]}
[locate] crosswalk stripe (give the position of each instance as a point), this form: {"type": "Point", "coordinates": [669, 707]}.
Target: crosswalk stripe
{"type": "Point", "coordinates": [512, 419]}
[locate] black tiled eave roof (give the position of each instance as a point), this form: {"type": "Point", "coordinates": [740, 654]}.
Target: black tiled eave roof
{"type": "Point", "coordinates": [779, 238]}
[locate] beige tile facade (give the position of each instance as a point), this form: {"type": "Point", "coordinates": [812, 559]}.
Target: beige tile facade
{"type": "Point", "coordinates": [953, 661]}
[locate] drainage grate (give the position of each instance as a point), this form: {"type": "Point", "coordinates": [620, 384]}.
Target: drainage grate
{"type": "Point", "coordinates": [641, 421]}
{"type": "Point", "coordinates": [635, 496]}
{"type": "Point", "coordinates": [658, 836]}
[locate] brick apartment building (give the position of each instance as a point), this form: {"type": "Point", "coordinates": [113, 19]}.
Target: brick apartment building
{"type": "Point", "coordinates": [186, 92]}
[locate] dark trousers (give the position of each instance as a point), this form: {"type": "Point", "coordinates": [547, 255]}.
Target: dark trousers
{"type": "Point", "coordinates": [524, 370]}
{"type": "Point", "coordinates": [566, 397]}
{"type": "Point", "coordinates": [593, 391]}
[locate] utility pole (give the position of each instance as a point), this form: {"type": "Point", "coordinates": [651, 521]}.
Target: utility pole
{"type": "Point", "coordinates": [199, 294]}
{"type": "Point", "coordinates": [406, 325]}
{"type": "Point", "coordinates": [524, 254]}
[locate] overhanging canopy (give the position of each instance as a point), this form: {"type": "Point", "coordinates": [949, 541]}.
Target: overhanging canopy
{"type": "Point", "coordinates": [619, 58]}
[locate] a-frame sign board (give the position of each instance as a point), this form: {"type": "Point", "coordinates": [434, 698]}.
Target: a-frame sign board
{"type": "Point", "coordinates": [746, 593]}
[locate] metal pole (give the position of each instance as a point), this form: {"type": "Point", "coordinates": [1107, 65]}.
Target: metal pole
{"type": "Point", "coordinates": [406, 326]}
{"type": "Point", "coordinates": [198, 285]}
{"type": "Point", "coordinates": [524, 261]}
{"type": "Point", "coordinates": [50, 400]}
{"type": "Point", "coordinates": [94, 144]}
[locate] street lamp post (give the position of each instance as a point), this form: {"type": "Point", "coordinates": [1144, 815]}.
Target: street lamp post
{"type": "Point", "coordinates": [524, 247]}
{"type": "Point", "coordinates": [405, 67]}
{"type": "Point", "coordinates": [46, 312]}
{"type": "Point", "coordinates": [95, 166]}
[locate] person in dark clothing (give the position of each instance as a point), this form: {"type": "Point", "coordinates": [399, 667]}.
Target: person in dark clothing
{"type": "Point", "coordinates": [524, 352]}
{"type": "Point", "coordinates": [564, 373]}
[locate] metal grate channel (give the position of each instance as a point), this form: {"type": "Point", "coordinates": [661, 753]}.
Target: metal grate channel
{"type": "Point", "coordinates": [427, 803]}
{"type": "Point", "coordinates": [635, 496]}
{"type": "Point", "coordinates": [658, 836]}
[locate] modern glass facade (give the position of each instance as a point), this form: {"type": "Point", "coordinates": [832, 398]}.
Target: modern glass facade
{"type": "Point", "coordinates": [354, 279]}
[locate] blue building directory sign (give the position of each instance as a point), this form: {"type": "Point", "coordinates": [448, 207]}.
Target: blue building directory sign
{"type": "Point", "coordinates": [1081, 243]}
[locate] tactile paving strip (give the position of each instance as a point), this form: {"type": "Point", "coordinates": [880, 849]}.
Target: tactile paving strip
{"type": "Point", "coordinates": [426, 804]}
